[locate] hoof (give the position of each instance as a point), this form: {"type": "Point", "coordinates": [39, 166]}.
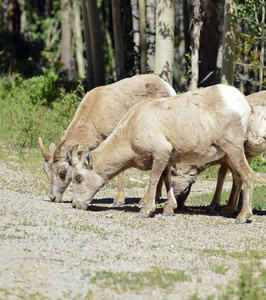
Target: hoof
{"type": "Point", "coordinates": [167, 214]}
{"type": "Point", "coordinates": [239, 221]}
{"type": "Point", "coordinates": [142, 215]}
{"type": "Point", "coordinates": [142, 204]}
{"type": "Point", "coordinates": [117, 204]}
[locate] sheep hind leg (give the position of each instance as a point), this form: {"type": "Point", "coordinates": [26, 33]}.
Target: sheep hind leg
{"type": "Point", "coordinates": [239, 163]}
{"type": "Point", "coordinates": [231, 206]}
{"type": "Point", "coordinates": [120, 197]}
{"type": "Point", "coordinates": [158, 167]}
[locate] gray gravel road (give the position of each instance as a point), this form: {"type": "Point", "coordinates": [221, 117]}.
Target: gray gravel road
{"type": "Point", "coordinates": [51, 251]}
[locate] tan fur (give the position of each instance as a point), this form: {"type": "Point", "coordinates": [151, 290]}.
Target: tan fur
{"type": "Point", "coordinates": [193, 128]}
{"type": "Point", "coordinates": [183, 176]}
{"type": "Point", "coordinates": [96, 117]}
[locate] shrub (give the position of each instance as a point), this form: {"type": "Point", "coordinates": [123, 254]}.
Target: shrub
{"type": "Point", "coordinates": [35, 107]}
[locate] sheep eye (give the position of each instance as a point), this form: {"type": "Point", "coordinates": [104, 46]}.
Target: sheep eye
{"type": "Point", "coordinates": [78, 178]}
{"type": "Point", "coordinates": [62, 174]}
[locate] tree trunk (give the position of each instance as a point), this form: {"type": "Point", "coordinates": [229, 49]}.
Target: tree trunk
{"type": "Point", "coordinates": [119, 49]}
{"type": "Point", "coordinates": [143, 36]}
{"type": "Point", "coordinates": [136, 35]}
{"type": "Point", "coordinates": [12, 14]}
{"type": "Point", "coordinates": [22, 17]}
{"type": "Point", "coordinates": [262, 49]}
{"type": "Point", "coordinates": [209, 43]}
{"type": "Point", "coordinates": [66, 36]}
{"type": "Point", "coordinates": [78, 40]}
{"type": "Point", "coordinates": [229, 43]}
{"type": "Point", "coordinates": [151, 19]}
{"type": "Point", "coordinates": [96, 41]}
{"type": "Point", "coordinates": [164, 53]}
{"type": "Point", "coordinates": [88, 45]}
{"type": "Point", "coordinates": [110, 67]}
{"type": "Point", "coordinates": [196, 44]}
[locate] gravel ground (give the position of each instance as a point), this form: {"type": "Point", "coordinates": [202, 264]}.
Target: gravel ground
{"type": "Point", "coordinates": [51, 251]}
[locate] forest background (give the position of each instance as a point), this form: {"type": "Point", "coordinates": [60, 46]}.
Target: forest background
{"type": "Point", "coordinates": [52, 52]}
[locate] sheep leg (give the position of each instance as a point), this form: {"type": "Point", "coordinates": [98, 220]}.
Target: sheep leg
{"type": "Point", "coordinates": [171, 203]}
{"type": "Point", "coordinates": [144, 199]}
{"type": "Point", "coordinates": [231, 206]}
{"type": "Point", "coordinates": [239, 162]}
{"type": "Point", "coordinates": [158, 167]}
{"type": "Point", "coordinates": [216, 200]}
{"type": "Point", "coordinates": [240, 201]}
{"type": "Point", "coordinates": [120, 197]}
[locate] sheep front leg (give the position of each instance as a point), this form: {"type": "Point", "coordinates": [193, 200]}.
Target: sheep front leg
{"type": "Point", "coordinates": [156, 172]}
{"type": "Point", "coordinates": [120, 197]}
{"type": "Point", "coordinates": [145, 198]}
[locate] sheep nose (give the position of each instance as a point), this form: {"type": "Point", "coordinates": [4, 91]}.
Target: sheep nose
{"type": "Point", "coordinates": [52, 198]}
{"type": "Point", "coordinates": [73, 204]}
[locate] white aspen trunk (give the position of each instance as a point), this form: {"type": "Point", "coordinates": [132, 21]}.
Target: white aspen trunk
{"type": "Point", "coordinates": [143, 36]}
{"type": "Point", "coordinates": [150, 16]}
{"type": "Point", "coordinates": [66, 36]}
{"type": "Point", "coordinates": [164, 52]}
{"type": "Point", "coordinates": [196, 43]}
{"type": "Point", "coordinates": [78, 40]}
{"type": "Point", "coordinates": [229, 43]}
{"type": "Point", "coordinates": [136, 35]}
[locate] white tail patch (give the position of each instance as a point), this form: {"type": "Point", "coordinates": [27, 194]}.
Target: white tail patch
{"type": "Point", "coordinates": [170, 89]}
{"type": "Point", "coordinates": [235, 100]}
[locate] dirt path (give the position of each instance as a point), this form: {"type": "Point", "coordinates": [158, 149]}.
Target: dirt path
{"type": "Point", "coordinates": [51, 251]}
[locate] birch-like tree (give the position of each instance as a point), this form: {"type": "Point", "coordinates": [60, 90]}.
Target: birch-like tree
{"type": "Point", "coordinates": [229, 42]}
{"type": "Point", "coordinates": [94, 40]}
{"type": "Point", "coordinates": [119, 48]}
{"type": "Point", "coordinates": [143, 36]}
{"type": "Point", "coordinates": [197, 25]}
{"type": "Point", "coordinates": [66, 33]}
{"type": "Point", "coordinates": [78, 39]}
{"type": "Point", "coordinates": [164, 51]}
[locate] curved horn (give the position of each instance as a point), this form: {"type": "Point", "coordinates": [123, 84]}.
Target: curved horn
{"type": "Point", "coordinates": [45, 154]}
{"type": "Point", "coordinates": [74, 155]}
{"type": "Point", "coordinates": [57, 150]}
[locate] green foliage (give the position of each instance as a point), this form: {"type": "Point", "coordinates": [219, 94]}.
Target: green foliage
{"type": "Point", "coordinates": [259, 164]}
{"type": "Point", "coordinates": [125, 281]}
{"type": "Point", "coordinates": [35, 107]}
{"type": "Point", "coordinates": [250, 285]}
{"type": "Point", "coordinates": [248, 43]}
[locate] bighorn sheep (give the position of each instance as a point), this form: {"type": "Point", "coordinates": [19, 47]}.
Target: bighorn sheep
{"type": "Point", "coordinates": [96, 117]}
{"type": "Point", "coordinates": [183, 176]}
{"type": "Point", "coordinates": [195, 128]}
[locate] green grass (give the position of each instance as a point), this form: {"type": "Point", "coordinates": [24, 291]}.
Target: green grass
{"type": "Point", "coordinates": [135, 281]}
{"type": "Point", "coordinates": [251, 284]}
{"type": "Point", "coordinates": [258, 198]}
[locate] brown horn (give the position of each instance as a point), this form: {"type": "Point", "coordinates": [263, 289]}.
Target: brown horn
{"type": "Point", "coordinates": [56, 154]}
{"type": "Point", "coordinates": [74, 155]}
{"type": "Point", "coordinates": [45, 154]}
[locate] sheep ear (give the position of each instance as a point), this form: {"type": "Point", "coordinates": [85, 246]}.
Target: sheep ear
{"type": "Point", "coordinates": [73, 156]}
{"type": "Point", "coordinates": [77, 152]}
{"type": "Point", "coordinates": [88, 160]}
{"type": "Point", "coordinates": [52, 148]}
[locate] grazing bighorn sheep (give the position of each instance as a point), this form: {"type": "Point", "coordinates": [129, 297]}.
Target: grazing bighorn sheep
{"type": "Point", "coordinates": [183, 176]}
{"type": "Point", "coordinates": [195, 128]}
{"type": "Point", "coordinates": [96, 117]}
